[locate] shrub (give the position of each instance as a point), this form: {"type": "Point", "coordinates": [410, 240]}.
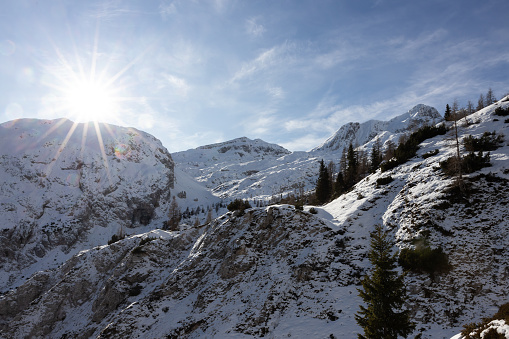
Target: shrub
{"type": "Point", "coordinates": [384, 180]}
{"type": "Point", "coordinates": [139, 249]}
{"type": "Point", "coordinates": [135, 290]}
{"type": "Point", "coordinates": [313, 210]}
{"type": "Point", "coordinates": [474, 330]}
{"type": "Point", "coordinates": [469, 163]}
{"type": "Point", "coordinates": [430, 154]}
{"type": "Point", "coordinates": [472, 162]}
{"type": "Point", "coordinates": [502, 112]}
{"type": "Point", "coordinates": [238, 205]}
{"type": "Point", "coordinates": [424, 259]}
{"type": "Point", "coordinates": [115, 238]}
{"type": "Point", "coordinates": [388, 165]}
{"type": "Point", "coordinates": [408, 149]}
{"type": "Point", "coordinates": [487, 142]}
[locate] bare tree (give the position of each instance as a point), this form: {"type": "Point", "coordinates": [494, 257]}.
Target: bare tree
{"type": "Point", "coordinates": [174, 215]}
{"type": "Point", "coordinates": [490, 97]}
{"type": "Point", "coordinates": [480, 103]}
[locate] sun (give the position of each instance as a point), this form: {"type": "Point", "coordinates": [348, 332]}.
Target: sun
{"type": "Point", "coordinates": [89, 100]}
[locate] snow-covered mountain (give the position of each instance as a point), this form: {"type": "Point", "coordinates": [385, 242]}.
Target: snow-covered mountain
{"type": "Point", "coordinates": [243, 168]}
{"type": "Point", "coordinates": [66, 187]}
{"type": "Point", "coordinates": [361, 133]}
{"type": "Point", "coordinates": [280, 272]}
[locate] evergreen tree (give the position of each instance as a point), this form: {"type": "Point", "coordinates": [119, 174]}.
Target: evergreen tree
{"type": "Point", "coordinates": [447, 114]}
{"type": "Point", "coordinates": [339, 185]}
{"type": "Point", "coordinates": [376, 155]}
{"type": "Point", "coordinates": [323, 185]}
{"type": "Point", "coordinates": [351, 169]}
{"type": "Point", "coordinates": [383, 292]}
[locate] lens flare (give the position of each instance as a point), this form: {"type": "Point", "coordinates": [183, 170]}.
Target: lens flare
{"type": "Point", "coordinates": [122, 151]}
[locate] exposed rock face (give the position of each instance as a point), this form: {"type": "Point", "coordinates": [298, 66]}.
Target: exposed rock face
{"type": "Point", "coordinates": [66, 186]}
{"type": "Point", "coordinates": [268, 264]}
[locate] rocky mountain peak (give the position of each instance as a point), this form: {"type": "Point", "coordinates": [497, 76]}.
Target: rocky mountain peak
{"type": "Point", "coordinates": [66, 186]}
{"type": "Point", "coordinates": [359, 134]}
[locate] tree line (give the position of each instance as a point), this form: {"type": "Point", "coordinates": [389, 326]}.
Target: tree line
{"type": "Point", "coordinates": [454, 112]}
{"type": "Point", "coordinates": [356, 164]}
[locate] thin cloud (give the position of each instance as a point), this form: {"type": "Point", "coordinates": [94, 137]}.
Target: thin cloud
{"type": "Point", "coordinates": [267, 59]}
{"type": "Point", "coordinates": [403, 48]}
{"type": "Point", "coordinates": [253, 28]}
{"type": "Point", "coordinates": [167, 9]}
{"type": "Point", "coordinates": [306, 142]}
{"type": "Point", "coordinates": [180, 85]}
{"type": "Point", "coordinates": [276, 93]}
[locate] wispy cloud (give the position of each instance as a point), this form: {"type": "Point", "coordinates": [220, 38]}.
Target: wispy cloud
{"type": "Point", "coordinates": [276, 92]}
{"type": "Point", "coordinates": [167, 8]}
{"type": "Point", "coordinates": [254, 28]}
{"type": "Point", "coordinates": [305, 142]}
{"type": "Point", "coordinates": [267, 59]}
{"type": "Point", "coordinates": [179, 85]}
{"type": "Point", "coordinates": [403, 48]}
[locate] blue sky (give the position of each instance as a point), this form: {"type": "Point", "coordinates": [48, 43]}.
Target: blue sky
{"type": "Point", "coordinates": [194, 72]}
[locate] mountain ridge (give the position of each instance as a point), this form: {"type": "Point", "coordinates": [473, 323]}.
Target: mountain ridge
{"type": "Point", "coordinates": [276, 171]}
{"type": "Point", "coordinates": [278, 271]}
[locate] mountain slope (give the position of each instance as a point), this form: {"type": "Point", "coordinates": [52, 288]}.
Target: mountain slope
{"type": "Point", "coordinates": [68, 186]}
{"type": "Point", "coordinates": [280, 272]}
{"type": "Point", "coordinates": [361, 133]}
{"type": "Point", "coordinates": [270, 171]}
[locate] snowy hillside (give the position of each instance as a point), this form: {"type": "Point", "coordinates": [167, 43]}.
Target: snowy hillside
{"type": "Point", "coordinates": [252, 168]}
{"type": "Point", "coordinates": [67, 187]}
{"type": "Point", "coordinates": [280, 272]}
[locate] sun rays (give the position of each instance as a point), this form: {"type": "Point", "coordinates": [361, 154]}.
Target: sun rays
{"type": "Point", "coordinates": [84, 88]}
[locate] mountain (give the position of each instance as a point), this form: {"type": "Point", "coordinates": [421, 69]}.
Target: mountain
{"type": "Point", "coordinates": [67, 187]}
{"type": "Point", "coordinates": [279, 272]}
{"type": "Point", "coordinates": [231, 168]}
{"type": "Point", "coordinates": [361, 133]}
{"type": "Point", "coordinates": [243, 168]}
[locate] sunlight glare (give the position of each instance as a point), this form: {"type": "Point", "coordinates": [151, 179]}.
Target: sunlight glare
{"type": "Point", "coordinates": [90, 101]}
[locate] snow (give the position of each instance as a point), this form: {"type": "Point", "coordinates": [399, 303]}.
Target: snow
{"type": "Point", "coordinates": [259, 170]}
{"type": "Point", "coordinates": [289, 273]}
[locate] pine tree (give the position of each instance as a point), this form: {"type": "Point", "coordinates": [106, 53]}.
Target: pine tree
{"type": "Point", "coordinates": [352, 166]}
{"type": "Point", "coordinates": [447, 114]}
{"type": "Point", "coordinates": [376, 155]}
{"type": "Point", "coordinates": [339, 185]}
{"type": "Point", "coordinates": [383, 292]}
{"type": "Point", "coordinates": [323, 185]}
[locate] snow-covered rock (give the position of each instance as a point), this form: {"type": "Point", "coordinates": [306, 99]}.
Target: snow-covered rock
{"type": "Point", "coordinates": [67, 187]}
{"type": "Point", "coordinates": [359, 134]}
{"type": "Point", "coordinates": [243, 168]}
{"type": "Point", "coordinates": [280, 272]}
